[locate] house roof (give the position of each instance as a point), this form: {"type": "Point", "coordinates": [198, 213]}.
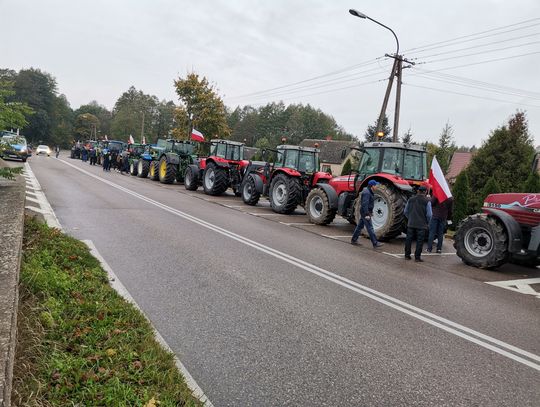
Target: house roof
{"type": "Point", "coordinates": [331, 150]}
{"type": "Point", "coordinates": [458, 163]}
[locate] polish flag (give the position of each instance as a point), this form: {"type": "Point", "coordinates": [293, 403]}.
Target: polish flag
{"type": "Point", "coordinates": [131, 140]}
{"type": "Point", "coordinates": [440, 187]}
{"type": "Point", "coordinates": [196, 135]}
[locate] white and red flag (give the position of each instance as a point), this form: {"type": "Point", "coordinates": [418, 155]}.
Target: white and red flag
{"type": "Point", "coordinates": [131, 140]}
{"type": "Point", "coordinates": [106, 138]}
{"type": "Point", "coordinates": [440, 187]}
{"type": "Point", "coordinates": [196, 135]}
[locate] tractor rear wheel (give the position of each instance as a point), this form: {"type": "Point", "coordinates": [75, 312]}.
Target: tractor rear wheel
{"type": "Point", "coordinates": [142, 168]}
{"type": "Point", "coordinates": [167, 171]}
{"type": "Point", "coordinates": [388, 212]}
{"type": "Point", "coordinates": [318, 207]}
{"type": "Point", "coordinates": [133, 167]}
{"type": "Point", "coordinates": [215, 180]}
{"type": "Point", "coordinates": [285, 193]}
{"type": "Point", "coordinates": [153, 172]}
{"type": "Point", "coordinates": [481, 241]}
{"type": "Point", "coordinates": [191, 179]}
{"type": "Point", "coordinates": [250, 195]}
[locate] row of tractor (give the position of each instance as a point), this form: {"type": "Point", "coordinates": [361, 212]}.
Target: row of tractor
{"type": "Point", "coordinates": [289, 177]}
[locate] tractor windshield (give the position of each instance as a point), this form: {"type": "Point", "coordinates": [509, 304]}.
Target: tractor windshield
{"type": "Point", "coordinates": [392, 162]}
{"type": "Point", "coordinates": [302, 161]}
{"type": "Point", "coordinates": [183, 148]}
{"type": "Point", "coordinates": [232, 152]}
{"type": "Point", "coordinates": [369, 164]}
{"type": "Point", "coordinates": [137, 150]}
{"type": "Point", "coordinates": [115, 145]}
{"type": "Point", "coordinates": [414, 165]}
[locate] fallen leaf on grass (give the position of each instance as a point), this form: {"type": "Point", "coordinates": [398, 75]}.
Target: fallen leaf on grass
{"type": "Point", "coordinates": [110, 352]}
{"type": "Point", "coordinates": [137, 364]}
{"type": "Point", "coordinates": [152, 403]}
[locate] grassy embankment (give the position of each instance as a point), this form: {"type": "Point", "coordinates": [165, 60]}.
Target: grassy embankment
{"type": "Point", "coordinates": [79, 342]}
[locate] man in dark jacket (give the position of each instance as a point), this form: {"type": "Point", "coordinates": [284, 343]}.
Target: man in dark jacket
{"type": "Point", "coordinates": [367, 202]}
{"type": "Point", "coordinates": [418, 213]}
{"type": "Point", "coordinates": [442, 211]}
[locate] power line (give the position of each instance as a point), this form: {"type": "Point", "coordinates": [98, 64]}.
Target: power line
{"type": "Point", "coordinates": [485, 62]}
{"type": "Point", "coordinates": [434, 44]}
{"type": "Point", "coordinates": [469, 95]}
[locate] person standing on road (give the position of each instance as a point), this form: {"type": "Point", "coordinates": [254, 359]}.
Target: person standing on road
{"type": "Point", "coordinates": [57, 151]}
{"type": "Point", "coordinates": [124, 165]}
{"type": "Point", "coordinates": [442, 211]}
{"type": "Point", "coordinates": [418, 213]}
{"type": "Point", "coordinates": [106, 160]}
{"type": "Point", "coordinates": [367, 203]}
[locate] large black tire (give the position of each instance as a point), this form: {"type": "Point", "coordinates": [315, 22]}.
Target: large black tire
{"type": "Point", "coordinates": [167, 171]}
{"type": "Point", "coordinates": [388, 212]}
{"type": "Point", "coordinates": [215, 180]}
{"type": "Point", "coordinates": [318, 207]}
{"type": "Point", "coordinates": [285, 193]}
{"type": "Point", "coordinates": [191, 179]}
{"type": "Point", "coordinates": [143, 167]}
{"type": "Point", "coordinates": [133, 167]}
{"type": "Point", "coordinates": [153, 172]}
{"type": "Point", "coordinates": [481, 241]}
{"type": "Point", "coordinates": [250, 195]}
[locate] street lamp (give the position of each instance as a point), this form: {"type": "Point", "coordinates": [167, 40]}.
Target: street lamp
{"type": "Point", "coordinates": [396, 71]}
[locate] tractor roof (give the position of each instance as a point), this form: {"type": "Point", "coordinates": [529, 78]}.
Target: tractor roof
{"type": "Point", "coordinates": [234, 143]}
{"type": "Point", "coordinates": [180, 141]}
{"type": "Point", "coordinates": [405, 146]}
{"type": "Point", "coordinates": [300, 148]}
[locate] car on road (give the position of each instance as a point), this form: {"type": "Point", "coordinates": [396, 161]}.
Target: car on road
{"type": "Point", "coordinates": [42, 149]}
{"type": "Point", "coordinates": [15, 146]}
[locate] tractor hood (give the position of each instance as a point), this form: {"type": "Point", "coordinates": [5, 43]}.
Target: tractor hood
{"type": "Point", "coordinates": [525, 208]}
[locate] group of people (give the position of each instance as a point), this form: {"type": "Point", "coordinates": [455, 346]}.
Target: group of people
{"type": "Point", "coordinates": [118, 161]}
{"type": "Point", "coordinates": [423, 214]}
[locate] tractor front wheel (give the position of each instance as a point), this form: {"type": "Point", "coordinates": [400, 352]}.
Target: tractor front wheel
{"type": "Point", "coordinates": [143, 167]}
{"type": "Point", "coordinates": [285, 193]}
{"type": "Point", "coordinates": [318, 207]}
{"type": "Point", "coordinates": [250, 195]}
{"type": "Point", "coordinates": [214, 180]}
{"type": "Point", "coordinates": [481, 241]}
{"type": "Point", "coordinates": [153, 172]}
{"type": "Point", "coordinates": [133, 167]}
{"type": "Point", "coordinates": [167, 171]}
{"type": "Point", "coordinates": [191, 179]}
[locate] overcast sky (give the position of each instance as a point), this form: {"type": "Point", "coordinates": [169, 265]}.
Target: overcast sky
{"type": "Point", "coordinates": [98, 49]}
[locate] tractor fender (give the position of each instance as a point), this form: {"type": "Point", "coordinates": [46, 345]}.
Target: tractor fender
{"type": "Point", "coordinates": [219, 163]}
{"type": "Point", "coordinates": [287, 171]}
{"type": "Point", "coordinates": [512, 228]}
{"type": "Point", "coordinates": [146, 157]}
{"type": "Point", "coordinates": [195, 170]}
{"type": "Point", "coordinates": [399, 183]}
{"type": "Point", "coordinates": [330, 193]}
{"type": "Point", "coordinates": [172, 158]}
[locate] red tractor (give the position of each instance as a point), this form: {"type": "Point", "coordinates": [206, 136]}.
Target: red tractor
{"type": "Point", "coordinates": [507, 230]}
{"type": "Point", "coordinates": [287, 181]}
{"type": "Point", "coordinates": [223, 168]}
{"type": "Point", "coordinates": [399, 168]}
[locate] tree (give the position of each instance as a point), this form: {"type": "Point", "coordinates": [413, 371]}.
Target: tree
{"type": "Point", "coordinates": [62, 122]}
{"type": "Point", "coordinates": [202, 108]}
{"type": "Point", "coordinates": [532, 183]}
{"type": "Point", "coordinates": [347, 167]}
{"type": "Point", "coordinates": [371, 133]}
{"type": "Point", "coordinates": [461, 193]}
{"type": "Point", "coordinates": [262, 144]}
{"type": "Point", "coordinates": [103, 114]}
{"type": "Point", "coordinates": [506, 155]}
{"type": "Point", "coordinates": [85, 126]}
{"type": "Point", "coordinates": [13, 115]}
{"type": "Point", "coordinates": [407, 137]}
{"type": "Point", "coordinates": [446, 147]}
{"type": "Point", "coordinates": [491, 187]}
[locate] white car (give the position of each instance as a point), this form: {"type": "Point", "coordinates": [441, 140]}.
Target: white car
{"type": "Point", "coordinates": [41, 149]}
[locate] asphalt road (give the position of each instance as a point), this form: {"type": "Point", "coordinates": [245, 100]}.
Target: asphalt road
{"type": "Point", "coordinates": [268, 310]}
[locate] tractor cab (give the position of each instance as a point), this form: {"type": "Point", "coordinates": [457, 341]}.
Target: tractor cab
{"type": "Point", "coordinates": [180, 147]}
{"type": "Point", "coordinates": [305, 160]}
{"type": "Point", "coordinates": [227, 150]}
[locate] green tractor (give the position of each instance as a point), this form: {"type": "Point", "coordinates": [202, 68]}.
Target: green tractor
{"type": "Point", "coordinates": [174, 159]}
{"type": "Point", "coordinates": [135, 150]}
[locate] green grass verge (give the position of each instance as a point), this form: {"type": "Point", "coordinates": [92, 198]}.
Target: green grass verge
{"type": "Point", "coordinates": [79, 342]}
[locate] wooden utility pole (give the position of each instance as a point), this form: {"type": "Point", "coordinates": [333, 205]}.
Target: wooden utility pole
{"type": "Point", "coordinates": [142, 128]}
{"type": "Point", "coordinates": [386, 97]}
{"type": "Point", "coordinates": [398, 98]}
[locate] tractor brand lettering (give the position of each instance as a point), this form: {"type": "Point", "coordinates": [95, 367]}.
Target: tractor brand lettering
{"type": "Point", "coordinates": [531, 199]}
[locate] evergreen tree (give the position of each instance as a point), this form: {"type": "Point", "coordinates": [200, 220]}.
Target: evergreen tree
{"type": "Point", "coordinates": [407, 137]}
{"type": "Point", "coordinates": [347, 167]}
{"type": "Point", "coordinates": [506, 155]}
{"type": "Point", "coordinates": [491, 187]}
{"type": "Point", "coordinates": [446, 147]}
{"type": "Point", "coordinates": [532, 184]}
{"type": "Point", "coordinates": [461, 193]}
{"type": "Point", "coordinates": [371, 133]}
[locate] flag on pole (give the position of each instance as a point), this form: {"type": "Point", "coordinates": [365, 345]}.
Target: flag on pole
{"type": "Point", "coordinates": [106, 138]}
{"type": "Point", "coordinates": [131, 140]}
{"type": "Point", "coordinates": [196, 135]}
{"type": "Point", "coordinates": [440, 187]}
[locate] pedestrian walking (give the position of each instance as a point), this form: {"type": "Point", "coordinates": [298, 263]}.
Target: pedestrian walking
{"type": "Point", "coordinates": [418, 213]}
{"type": "Point", "coordinates": [93, 156]}
{"type": "Point", "coordinates": [367, 203]}
{"type": "Point", "coordinates": [106, 160]}
{"type": "Point", "coordinates": [57, 151]}
{"type": "Point", "coordinates": [124, 166]}
{"type": "Point", "coordinates": [442, 211]}
{"type": "Point", "coordinates": [84, 154]}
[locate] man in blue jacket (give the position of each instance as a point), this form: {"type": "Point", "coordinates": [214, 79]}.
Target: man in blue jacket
{"type": "Point", "coordinates": [367, 202]}
{"type": "Point", "coordinates": [418, 213]}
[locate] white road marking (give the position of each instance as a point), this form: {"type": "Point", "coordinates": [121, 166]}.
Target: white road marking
{"type": "Point", "coordinates": [495, 345]}
{"type": "Point", "coordinates": [115, 283]}
{"type": "Point", "coordinates": [401, 255]}
{"type": "Point", "coordinates": [337, 237]}
{"type": "Point", "coordinates": [266, 214]}
{"type": "Point", "coordinates": [298, 224]}
{"type": "Point", "coordinates": [44, 207]}
{"type": "Point", "coordinates": [522, 286]}
{"type": "Point", "coordinates": [29, 198]}
{"type": "Point", "coordinates": [232, 206]}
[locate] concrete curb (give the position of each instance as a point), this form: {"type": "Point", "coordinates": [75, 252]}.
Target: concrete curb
{"type": "Point", "coordinates": [12, 199]}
